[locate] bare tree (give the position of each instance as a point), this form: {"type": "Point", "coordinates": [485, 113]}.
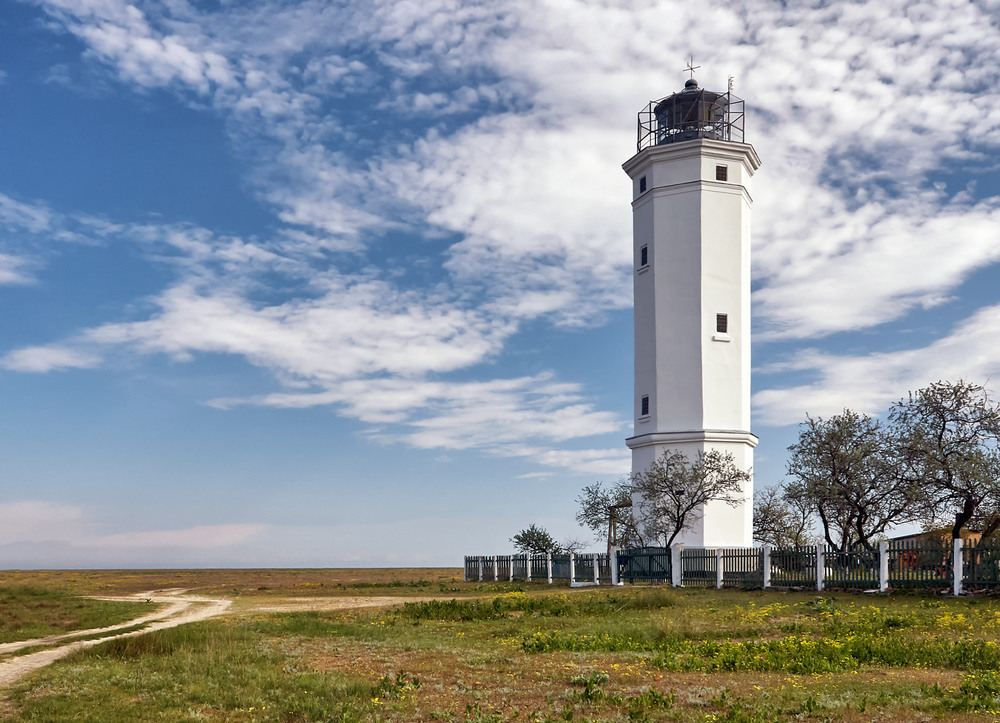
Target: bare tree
{"type": "Point", "coordinates": [780, 519]}
{"type": "Point", "coordinates": [607, 512]}
{"type": "Point", "coordinates": [848, 470]}
{"type": "Point", "coordinates": [675, 489]}
{"type": "Point", "coordinates": [573, 545]}
{"type": "Point", "coordinates": [949, 434]}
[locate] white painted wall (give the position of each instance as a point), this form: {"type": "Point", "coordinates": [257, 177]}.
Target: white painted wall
{"type": "Point", "coordinates": [697, 232]}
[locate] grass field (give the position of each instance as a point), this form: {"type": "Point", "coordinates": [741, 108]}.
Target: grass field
{"type": "Point", "coordinates": [515, 652]}
{"type": "Point", "coordinates": [28, 612]}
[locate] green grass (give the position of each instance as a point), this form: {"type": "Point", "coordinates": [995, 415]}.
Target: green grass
{"type": "Point", "coordinates": [543, 654]}
{"type": "Point", "coordinates": [187, 673]}
{"type": "Point", "coordinates": [34, 612]}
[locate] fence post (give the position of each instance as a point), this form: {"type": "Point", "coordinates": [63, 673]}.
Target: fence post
{"type": "Point", "coordinates": [548, 565]}
{"type": "Point", "coordinates": [883, 566]}
{"type": "Point", "coordinates": [957, 563]}
{"type": "Point", "coordinates": [465, 572]}
{"type": "Point", "coordinates": [719, 569]}
{"type": "Point", "coordinates": [572, 568]}
{"type": "Point", "coordinates": [597, 576]}
{"type": "Point", "coordinates": [613, 559]}
{"type": "Point", "coordinates": [767, 567]}
{"type": "Point", "coordinates": [676, 578]}
{"type": "Point", "coordinates": [496, 570]}
{"type": "Point", "coordinates": [820, 568]}
{"type": "Point", "coordinates": [511, 568]}
{"type": "Point", "coordinates": [527, 565]}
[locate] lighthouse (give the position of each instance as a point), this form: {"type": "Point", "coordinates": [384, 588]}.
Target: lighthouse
{"type": "Point", "coordinates": [691, 200]}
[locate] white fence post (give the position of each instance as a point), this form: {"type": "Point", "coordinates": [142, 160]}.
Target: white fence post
{"type": "Point", "coordinates": [572, 568]}
{"type": "Point", "coordinates": [883, 566]}
{"type": "Point", "coordinates": [511, 568]}
{"type": "Point", "coordinates": [479, 563]}
{"type": "Point", "coordinates": [719, 569]}
{"type": "Point", "coordinates": [676, 579]}
{"type": "Point", "coordinates": [548, 565]}
{"type": "Point", "coordinates": [613, 559]}
{"type": "Point", "coordinates": [820, 568]}
{"type": "Point", "coordinates": [957, 563]}
{"type": "Point", "coordinates": [527, 565]}
{"type": "Point", "coordinates": [496, 570]}
{"type": "Point", "coordinates": [767, 566]}
{"type": "Point", "coordinates": [597, 576]}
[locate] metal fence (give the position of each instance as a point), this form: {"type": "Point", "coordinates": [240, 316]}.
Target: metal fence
{"type": "Point", "coordinates": [699, 567]}
{"type": "Point", "coordinates": [590, 567]}
{"type": "Point", "coordinates": [793, 566]}
{"type": "Point", "coordinates": [645, 564]}
{"type": "Point", "coordinates": [981, 566]}
{"type": "Point", "coordinates": [921, 564]}
{"type": "Point", "coordinates": [927, 563]}
{"type": "Point", "coordinates": [742, 567]}
{"type": "Point", "coordinates": [852, 569]}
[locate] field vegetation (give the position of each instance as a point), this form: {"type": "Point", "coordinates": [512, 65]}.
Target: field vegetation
{"type": "Point", "coordinates": [28, 612]}
{"type": "Point", "coordinates": [516, 652]}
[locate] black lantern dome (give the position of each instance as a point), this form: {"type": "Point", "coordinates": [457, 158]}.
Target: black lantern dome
{"type": "Point", "coordinates": [691, 113]}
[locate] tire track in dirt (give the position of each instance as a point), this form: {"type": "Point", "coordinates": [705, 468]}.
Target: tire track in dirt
{"type": "Point", "coordinates": [180, 609]}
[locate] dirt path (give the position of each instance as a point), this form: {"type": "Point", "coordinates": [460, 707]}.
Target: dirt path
{"type": "Point", "coordinates": [180, 608]}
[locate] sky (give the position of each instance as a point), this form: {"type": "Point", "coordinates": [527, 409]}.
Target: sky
{"type": "Point", "coordinates": [305, 283]}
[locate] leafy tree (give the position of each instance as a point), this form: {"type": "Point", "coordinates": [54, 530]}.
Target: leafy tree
{"type": "Point", "coordinates": [675, 489]}
{"type": "Point", "coordinates": [607, 511]}
{"type": "Point", "coordinates": [780, 519]}
{"type": "Point", "coordinates": [949, 434]}
{"type": "Point", "coordinates": [847, 469]}
{"type": "Point", "coordinates": [535, 540]}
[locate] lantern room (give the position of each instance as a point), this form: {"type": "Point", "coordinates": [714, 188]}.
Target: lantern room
{"type": "Point", "coordinates": [692, 113]}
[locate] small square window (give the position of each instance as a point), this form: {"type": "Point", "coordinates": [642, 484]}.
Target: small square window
{"type": "Point", "coordinates": [644, 407]}
{"type": "Point", "coordinates": [644, 256]}
{"type": "Point", "coordinates": [642, 185]}
{"type": "Point", "coordinates": [721, 173]}
{"type": "Point", "coordinates": [722, 323]}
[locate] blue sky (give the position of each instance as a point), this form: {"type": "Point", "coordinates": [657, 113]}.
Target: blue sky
{"type": "Point", "coordinates": [321, 284]}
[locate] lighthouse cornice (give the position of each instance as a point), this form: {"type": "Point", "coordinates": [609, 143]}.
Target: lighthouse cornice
{"type": "Point", "coordinates": [690, 187]}
{"type": "Point", "coordinates": [730, 150]}
{"type": "Point", "coordinates": [692, 435]}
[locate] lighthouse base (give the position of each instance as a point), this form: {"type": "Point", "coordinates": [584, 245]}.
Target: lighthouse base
{"type": "Point", "coordinates": [715, 524]}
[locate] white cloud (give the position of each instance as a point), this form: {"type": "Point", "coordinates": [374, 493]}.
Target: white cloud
{"type": "Point", "coordinates": [39, 359]}
{"type": "Point", "coordinates": [39, 521]}
{"type": "Point", "coordinates": [499, 416]}
{"type": "Point", "coordinates": [918, 251]}
{"type": "Point", "coordinates": [872, 382]}
{"type": "Point", "coordinates": [203, 536]}
{"type": "Point", "coordinates": [532, 186]}
{"type": "Point", "coordinates": [12, 270]}
{"type": "Point", "coordinates": [590, 461]}
{"type": "Point", "coordinates": [19, 215]}
{"type": "Point", "coordinates": [530, 195]}
{"type": "Point", "coordinates": [358, 327]}
{"type": "Point", "coordinates": [30, 525]}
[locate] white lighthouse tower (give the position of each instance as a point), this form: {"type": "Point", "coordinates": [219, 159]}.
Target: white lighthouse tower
{"type": "Point", "coordinates": [691, 236]}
